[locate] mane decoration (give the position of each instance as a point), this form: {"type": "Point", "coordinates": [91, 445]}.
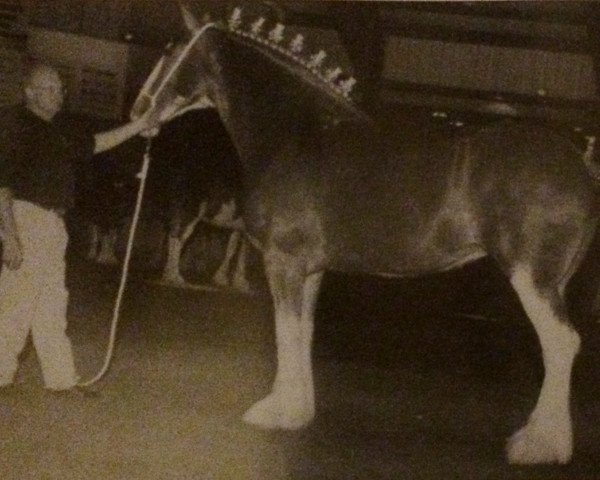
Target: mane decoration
{"type": "Point", "coordinates": [333, 79]}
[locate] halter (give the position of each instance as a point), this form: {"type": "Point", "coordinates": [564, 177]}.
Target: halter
{"type": "Point", "coordinates": [155, 72]}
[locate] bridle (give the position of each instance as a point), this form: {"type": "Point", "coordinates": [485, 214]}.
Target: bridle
{"type": "Point", "coordinates": [144, 93]}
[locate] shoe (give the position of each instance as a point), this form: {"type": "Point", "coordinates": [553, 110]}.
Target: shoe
{"type": "Point", "coordinates": [75, 392]}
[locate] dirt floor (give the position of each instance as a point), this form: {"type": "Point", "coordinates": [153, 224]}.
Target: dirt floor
{"type": "Point", "coordinates": [407, 387]}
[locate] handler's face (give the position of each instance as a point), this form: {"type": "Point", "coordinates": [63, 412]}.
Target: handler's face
{"type": "Point", "coordinates": [45, 93]}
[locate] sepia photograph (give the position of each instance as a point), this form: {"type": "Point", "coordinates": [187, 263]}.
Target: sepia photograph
{"type": "Point", "coordinates": [299, 240]}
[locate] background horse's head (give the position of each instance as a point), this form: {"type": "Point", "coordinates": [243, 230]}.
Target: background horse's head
{"type": "Point", "coordinates": [174, 85]}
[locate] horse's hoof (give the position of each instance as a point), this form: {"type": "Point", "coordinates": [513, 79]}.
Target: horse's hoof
{"type": "Point", "coordinates": [536, 445]}
{"type": "Point", "coordinates": [270, 413]}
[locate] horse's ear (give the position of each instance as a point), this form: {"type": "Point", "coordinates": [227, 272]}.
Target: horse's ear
{"type": "Point", "coordinates": [190, 21]}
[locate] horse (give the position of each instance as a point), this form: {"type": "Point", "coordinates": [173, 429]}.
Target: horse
{"type": "Point", "coordinates": [104, 200]}
{"type": "Point", "coordinates": [202, 181]}
{"type": "Point", "coordinates": [327, 187]}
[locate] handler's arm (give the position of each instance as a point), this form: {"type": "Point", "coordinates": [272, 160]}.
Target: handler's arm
{"type": "Point", "coordinates": [112, 138]}
{"type": "Point", "coordinates": [12, 252]}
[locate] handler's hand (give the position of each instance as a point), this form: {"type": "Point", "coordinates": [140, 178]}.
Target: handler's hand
{"type": "Point", "coordinates": [150, 132]}
{"type": "Point", "coordinates": [150, 122]}
{"type": "Point", "coordinates": [12, 252]}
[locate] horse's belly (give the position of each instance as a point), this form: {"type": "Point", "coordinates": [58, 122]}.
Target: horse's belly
{"type": "Point", "coordinates": [401, 249]}
{"type": "Point", "coordinates": [399, 265]}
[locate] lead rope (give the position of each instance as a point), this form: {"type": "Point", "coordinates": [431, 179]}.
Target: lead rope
{"type": "Point", "coordinates": [142, 175]}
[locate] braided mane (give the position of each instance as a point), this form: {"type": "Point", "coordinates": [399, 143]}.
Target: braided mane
{"type": "Point", "coordinates": [332, 80]}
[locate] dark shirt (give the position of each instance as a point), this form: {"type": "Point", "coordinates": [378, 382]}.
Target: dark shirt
{"type": "Point", "coordinates": [39, 159]}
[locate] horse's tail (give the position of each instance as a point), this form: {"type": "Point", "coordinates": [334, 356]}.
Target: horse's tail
{"type": "Point", "coordinates": [588, 158]}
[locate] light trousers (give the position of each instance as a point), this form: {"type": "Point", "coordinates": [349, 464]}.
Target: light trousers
{"type": "Point", "coordinates": [33, 299]}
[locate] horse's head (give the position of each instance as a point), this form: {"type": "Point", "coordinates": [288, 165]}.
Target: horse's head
{"type": "Point", "coordinates": [253, 75]}
{"type": "Point", "coordinates": [175, 86]}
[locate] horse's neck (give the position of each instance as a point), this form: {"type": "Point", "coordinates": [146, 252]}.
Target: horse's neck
{"type": "Point", "coordinates": [260, 131]}
{"type": "Point", "coordinates": [258, 102]}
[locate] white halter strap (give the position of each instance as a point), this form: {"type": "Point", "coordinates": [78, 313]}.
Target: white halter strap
{"type": "Point", "coordinates": [184, 53]}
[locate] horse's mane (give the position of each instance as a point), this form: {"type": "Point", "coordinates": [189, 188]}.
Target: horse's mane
{"type": "Point", "coordinates": [295, 87]}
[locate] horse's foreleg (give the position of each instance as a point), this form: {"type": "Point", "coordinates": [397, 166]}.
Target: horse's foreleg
{"type": "Point", "coordinates": [548, 435]}
{"type": "Point", "coordinates": [291, 403]}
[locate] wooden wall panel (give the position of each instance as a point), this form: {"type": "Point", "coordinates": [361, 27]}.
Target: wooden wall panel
{"type": "Point", "coordinates": [489, 68]}
{"type": "Point", "coordinates": [11, 70]}
{"type": "Point", "coordinates": [94, 18]}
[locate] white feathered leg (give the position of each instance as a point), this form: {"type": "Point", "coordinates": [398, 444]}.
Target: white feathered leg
{"type": "Point", "coordinates": [291, 403]}
{"type": "Point", "coordinates": [548, 435]}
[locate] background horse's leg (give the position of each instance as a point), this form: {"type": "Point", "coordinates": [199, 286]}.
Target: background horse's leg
{"type": "Point", "coordinates": [240, 278]}
{"type": "Point", "coordinates": [108, 242]}
{"type": "Point", "coordinates": [177, 237]}
{"type": "Point", "coordinates": [291, 403]}
{"type": "Point", "coordinates": [221, 276]}
{"type": "Point", "coordinates": [548, 435]}
{"type": "Point", "coordinates": [94, 241]}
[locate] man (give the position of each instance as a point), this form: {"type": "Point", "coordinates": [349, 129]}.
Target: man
{"type": "Point", "coordinates": [37, 180]}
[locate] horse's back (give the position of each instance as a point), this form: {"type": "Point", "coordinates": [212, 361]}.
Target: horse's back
{"type": "Point", "coordinates": [533, 154]}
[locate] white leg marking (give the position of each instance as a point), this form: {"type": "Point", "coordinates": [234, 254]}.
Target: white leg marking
{"type": "Point", "coordinates": [548, 435]}
{"type": "Point", "coordinates": [291, 403]}
{"type": "Point", "coordinates": [240, 279]}
{"type": "Point", "coordinates": [171, 272]}
{"type": "Point", "coordinates": [221, 276]}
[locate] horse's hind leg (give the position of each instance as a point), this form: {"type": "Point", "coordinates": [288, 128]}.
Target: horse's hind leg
{"type": "Point", "coordinates": [291, 403]}
{"type": "Point", "coordinates": [548, 435]}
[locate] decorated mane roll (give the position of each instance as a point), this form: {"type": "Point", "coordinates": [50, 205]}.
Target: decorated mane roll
{"type": "Point", "coordinates": [334, 79]}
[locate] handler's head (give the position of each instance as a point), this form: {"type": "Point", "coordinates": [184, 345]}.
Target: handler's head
{"type": "Point", "coordinates": [44, 91]}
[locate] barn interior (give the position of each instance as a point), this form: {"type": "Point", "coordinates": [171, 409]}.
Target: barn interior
{"type": "Point", "coordinates": [419, 378]}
